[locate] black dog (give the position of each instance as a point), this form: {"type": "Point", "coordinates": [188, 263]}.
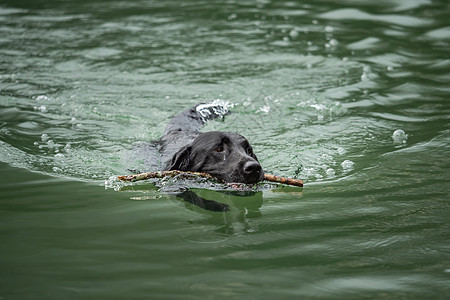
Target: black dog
{"type": "Point", "coordinates": [225, 155]}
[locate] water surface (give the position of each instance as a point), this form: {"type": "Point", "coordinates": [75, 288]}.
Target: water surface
{"type": "Point", "coordinates": [351, 96]}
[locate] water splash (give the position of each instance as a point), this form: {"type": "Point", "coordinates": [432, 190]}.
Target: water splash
{"type": "Point", "coordinates": [216, 108]}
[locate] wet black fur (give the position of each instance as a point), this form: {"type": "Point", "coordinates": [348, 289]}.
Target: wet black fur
{"type": "Point", "coordinates": [226, 155]}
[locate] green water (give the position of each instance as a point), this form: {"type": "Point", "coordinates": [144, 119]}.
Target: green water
{"type": "Point", "coordinates": [318, 87]}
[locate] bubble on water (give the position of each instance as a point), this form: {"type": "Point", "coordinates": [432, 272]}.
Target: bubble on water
{"type": "Point", "coordinates": [347, 164]}
{"type": "Point", "coordinates": [324, 167]}
{"type": "Point", "coordinates": [36, 143]}
{"type": "Point", "coordinates": [50, 143]}
{"type": "Point", "coordinates": [44, 137]}
{"type": "Point", "coordinates": [232, 17]}
{"type": "Point", "coordinates": [340, 150]}
{"type": "Point", "coordinates": [330, 172]}
{"type": "Point", "coordinates": [41, 108]}
{"type": "Point", "coordinates": [59, 155]}
{"type": "Point", "coordinates": [333, 42]}
{"type": "Point", "coordinates": [56, 169]}
{"type": "Point", "coordinates": [399, 137]}
{"type": "Point", "coordinates": [308, 171]}
{"type": "Point", "coordinates": [293, 34]}
{"type": "Point", "coordinates": [326, 157]}
{"type": "Point", "coordinates": [329, 28]}
{"type": "Point", "coordinates": [390, 68]}
{"type": "Point", "coordinates": [42, 97]}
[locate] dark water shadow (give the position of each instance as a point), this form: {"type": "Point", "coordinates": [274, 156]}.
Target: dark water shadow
{"type": "Point", "coordinates": [229, 212]}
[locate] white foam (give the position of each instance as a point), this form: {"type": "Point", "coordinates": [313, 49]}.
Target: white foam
{"type": "Point", "coordinates": [217, 107]}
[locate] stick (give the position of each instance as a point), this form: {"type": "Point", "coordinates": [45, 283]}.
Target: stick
{"type": "Point", "coordinates": [162, 174]}
{"type": "Point", "coordinates": [284, 180]}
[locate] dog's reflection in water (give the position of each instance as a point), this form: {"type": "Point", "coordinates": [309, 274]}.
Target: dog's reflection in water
{"type": "Point", "coordinates": [231, 212]}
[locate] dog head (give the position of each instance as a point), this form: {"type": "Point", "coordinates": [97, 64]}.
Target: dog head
{"type": "Point", "coordinates": [225, 155]}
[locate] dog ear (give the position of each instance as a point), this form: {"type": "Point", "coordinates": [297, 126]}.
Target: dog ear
{"type": "Point", "coordinates": [181, 160]}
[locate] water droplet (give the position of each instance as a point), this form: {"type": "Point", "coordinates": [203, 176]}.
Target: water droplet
{"type": "Point", "coordinates": [44, 137]}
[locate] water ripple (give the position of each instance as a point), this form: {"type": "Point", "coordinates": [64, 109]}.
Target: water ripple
{"type": "Point", "coordinates": [356, 14]}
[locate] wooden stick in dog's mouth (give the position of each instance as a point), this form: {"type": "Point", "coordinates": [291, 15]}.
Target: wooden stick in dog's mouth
{"type": "Point", "coordinates": [186, 174]}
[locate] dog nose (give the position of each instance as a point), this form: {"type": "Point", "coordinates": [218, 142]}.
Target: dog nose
{"type": "Point", "coordinates": [252, 168]}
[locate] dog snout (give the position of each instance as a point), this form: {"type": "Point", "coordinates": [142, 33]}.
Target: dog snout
{"type": "Point", "coordinates": [252, 167]}
{"type": "Point", "coordinates": [252, 171]}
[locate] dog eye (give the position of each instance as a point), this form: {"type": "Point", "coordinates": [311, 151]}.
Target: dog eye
{"type": "Point", "coordinates": [219, 148]}
{"type": "Point", "coordinates": [249, 151]}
